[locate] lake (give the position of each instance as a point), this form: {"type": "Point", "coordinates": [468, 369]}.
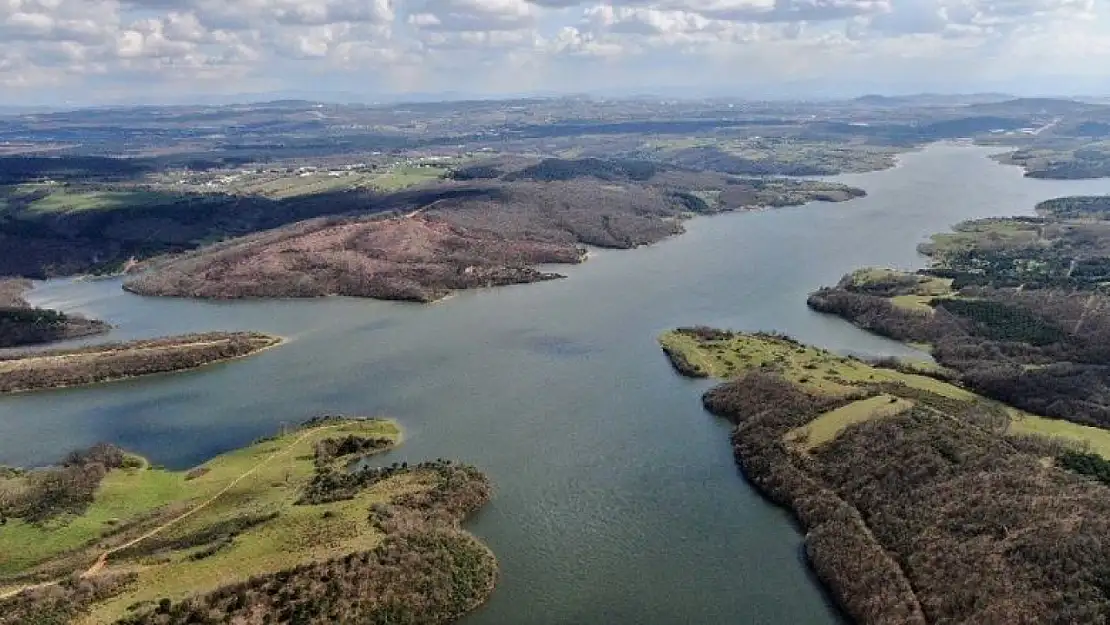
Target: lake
{"type": "Point", "coordinates": [617, 499]}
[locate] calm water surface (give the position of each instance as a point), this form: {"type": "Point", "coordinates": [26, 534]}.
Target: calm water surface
{"type": "Point", "coordinates": [617, 500]}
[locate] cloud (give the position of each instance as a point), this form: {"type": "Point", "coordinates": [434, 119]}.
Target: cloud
{"type": "Point", "coordinates": [102, 46]}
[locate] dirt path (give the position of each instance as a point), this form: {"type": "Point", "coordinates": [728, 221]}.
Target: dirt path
{"type": "Point", "coordinates": [102, 561]}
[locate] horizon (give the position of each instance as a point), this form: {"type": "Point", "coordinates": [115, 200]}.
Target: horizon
{"type": "Point", "coordinates": [347, 99]}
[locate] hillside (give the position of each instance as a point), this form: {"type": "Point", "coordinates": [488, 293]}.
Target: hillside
{"type": "Point", "coordinates": [923, 503]}
{"type": "Point", "coordinates": [278, 531]}
{"type": "Point", "coordinates": [470, 235]}
{"type": "Point", "coordinates": [22, 325]}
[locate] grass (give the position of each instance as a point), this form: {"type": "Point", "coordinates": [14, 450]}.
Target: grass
{"type": "Point", "coordinates": [913, 302]}
{"type": "Point", "coordinates": [1095, 439]}
{"type": "Point", "coordinates": [983, 234]}
{"type": "Point", "coordinates": [402, 177]}
{"type": "Point", "coordinates": [810, 367]}
{"type": "Point", "coordinates": [66, 200]}
{"type": "Point", "coordinates": [151, 496]}
{"type": "Point", "coordinates": [823, 372]}
{"type": "Point", "coordinates": [297, 186]}
{"type": "Point", "coordinates": [829, 425]}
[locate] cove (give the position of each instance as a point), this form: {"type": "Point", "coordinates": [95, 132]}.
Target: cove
{"type": "Point", "coordinates": [616, 496]}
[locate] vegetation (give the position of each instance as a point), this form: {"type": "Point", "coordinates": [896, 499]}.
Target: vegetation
{"type": "Point", "coordinates": [1026, 315]}
{"type": "Point", "coordinates": [20, 324]}
{"type": "Point", "coordinates": [1076, 207]}
{"type": "Point", "coordinates": [29, 371]}
{"type": "Point", "coordinates": [1070, 161]}
{"type": "Point", "coordinates": [919, 508]}
{"type": "Point", "coordinates": [232, 543]}
{"type": "Point", "coordinates": [465, 236]}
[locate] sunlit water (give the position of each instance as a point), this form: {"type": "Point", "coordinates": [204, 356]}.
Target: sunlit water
{"type": "Point", "coordinates": [617, 500]}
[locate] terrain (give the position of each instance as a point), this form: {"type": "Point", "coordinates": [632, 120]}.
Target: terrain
{"type": "Point", "coordinates": [278, 531]}
{"type": "Point", "coordinates": [1016, 307]}
{"type": "Point", "coordinates": [475, 233]}
{"type": "Point", "coordinates": [922, 502]}
{"type": "Point", "coordinates": [933, 491]}
{"type": "Point", "coordinates": [38, 370]}
{"type": "Point", "coordinates": [20, 324]}
{"type": "Point", "coordinates": [94, 191]}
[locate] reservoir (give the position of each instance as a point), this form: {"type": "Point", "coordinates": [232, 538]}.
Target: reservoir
{"type": "Point", "coordinates": [616, 496]}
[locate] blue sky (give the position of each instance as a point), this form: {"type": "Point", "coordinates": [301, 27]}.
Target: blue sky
{"type": "Point", "coordinates": [113, 51]}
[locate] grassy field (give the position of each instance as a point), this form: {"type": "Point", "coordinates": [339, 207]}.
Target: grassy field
{"type": "Point", "coordinates": [1095, 439]}
{"type": "Point", "coordinates": [839, 156]}
{"type": "Point", "coordinates": [816, 370]}
{"type": "Point", "coordinates": [982, 234]}
{"type": "Point", "coordinates": [296, 186]}
{"type": "Point", "coordinates": [284, 187]}
{"type": "Point", "coordinates": [830, 424]}
{"type": "Point", "coordinates": [262, 479]}
{"type": "Point", "coordinates": [29, 201]}
{"type": "Point", "coordinates": [810, 367]}
{"type": "Point", "coordinates": [402, 177]}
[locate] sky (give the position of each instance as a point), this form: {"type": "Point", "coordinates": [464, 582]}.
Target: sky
{"type": "Point", "coordinates": [119, 51]}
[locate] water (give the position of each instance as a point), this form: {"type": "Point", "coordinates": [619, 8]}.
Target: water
{"type": "Point", "coordinates": [617, 500]}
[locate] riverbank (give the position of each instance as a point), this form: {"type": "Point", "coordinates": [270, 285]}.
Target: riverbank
{"type": "Point", "coordinates": [1015, 307]}
{"type": "Point", "coordinates": [918, 505]}
{"type": "Point", "coordinates": [168, 545]}
{"type": "Point", "coordinates": [63, 368]}
{"type": "Point", "coordinates": [22, 325]}
{"type": "Point", "coordinates": [471, 236]}
{"type": "Point", "coordinates": [514, 379]}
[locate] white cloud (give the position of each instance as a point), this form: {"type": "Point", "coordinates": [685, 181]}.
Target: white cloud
{"type": "Point", "coordinates": [375, 45]}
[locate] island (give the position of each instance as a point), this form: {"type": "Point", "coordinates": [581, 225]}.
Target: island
{"type": "Point", "coordinates": [297, 527]}
{"type": "Point", "coordinates": [922, 501]}
{"type": "Point", "coordinates": [57, 368]}
{"type": "Point", "coordinates": [21, 324]}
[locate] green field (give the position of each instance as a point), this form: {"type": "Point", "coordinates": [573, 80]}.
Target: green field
{"type": "Point", "coordinates": [810, 367]}
{"type": "Point", "coordinates": [404, 176]}
{"type": "Point", "coordinates": [265, 478]}
{"type": "Point", "coordinates": [830, 424]}
{"type": "Point", "coordinates": [823, 372]}
{"type": "Point", "coordinates": [1096, 440]}
{"type": "Point", "coordinates": [983, 235]}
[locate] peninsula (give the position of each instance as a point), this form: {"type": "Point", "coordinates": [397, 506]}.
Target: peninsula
{"type": "Point", "coordinates": [922, 502]}
{"type": "Point", "coordinates": [936, 492]}
{"type": "Point", "coordinates": [32, 371]}
{"type": "Point", "coordinates": [278, 531]}
{"type": "Point", "coordinates": [490, 226]}
{"type": "Point", "coordinates": [21, 325]}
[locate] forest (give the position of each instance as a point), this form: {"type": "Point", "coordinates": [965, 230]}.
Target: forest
{"type": "Point", "coordinates": [930, 512]}
{"type": "Point", "coordinates": [1026, 318]}
{"type": "Point", "coordinates": [389, 552]}
{"type": "Point", "coordinates": [21, 325]}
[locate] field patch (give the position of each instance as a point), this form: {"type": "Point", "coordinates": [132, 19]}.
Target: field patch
{"type": "Point", "coordinates": [830, 424]}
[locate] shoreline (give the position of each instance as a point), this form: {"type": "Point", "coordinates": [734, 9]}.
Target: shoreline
{"type": "Point", "coordinates": [275, 341]}
{"type": "Point", "coordinates": [417, 533]}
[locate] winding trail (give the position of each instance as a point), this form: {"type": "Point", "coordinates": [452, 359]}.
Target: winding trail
{"type": "Point", "coordinates": [102, 561]}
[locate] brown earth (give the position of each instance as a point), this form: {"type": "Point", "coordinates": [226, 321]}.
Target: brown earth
{"type": "Point", "coordinates": [457, 236]}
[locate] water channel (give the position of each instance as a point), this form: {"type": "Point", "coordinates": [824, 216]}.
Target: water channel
{"type": "Point", "coordinates": [617, 500]}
